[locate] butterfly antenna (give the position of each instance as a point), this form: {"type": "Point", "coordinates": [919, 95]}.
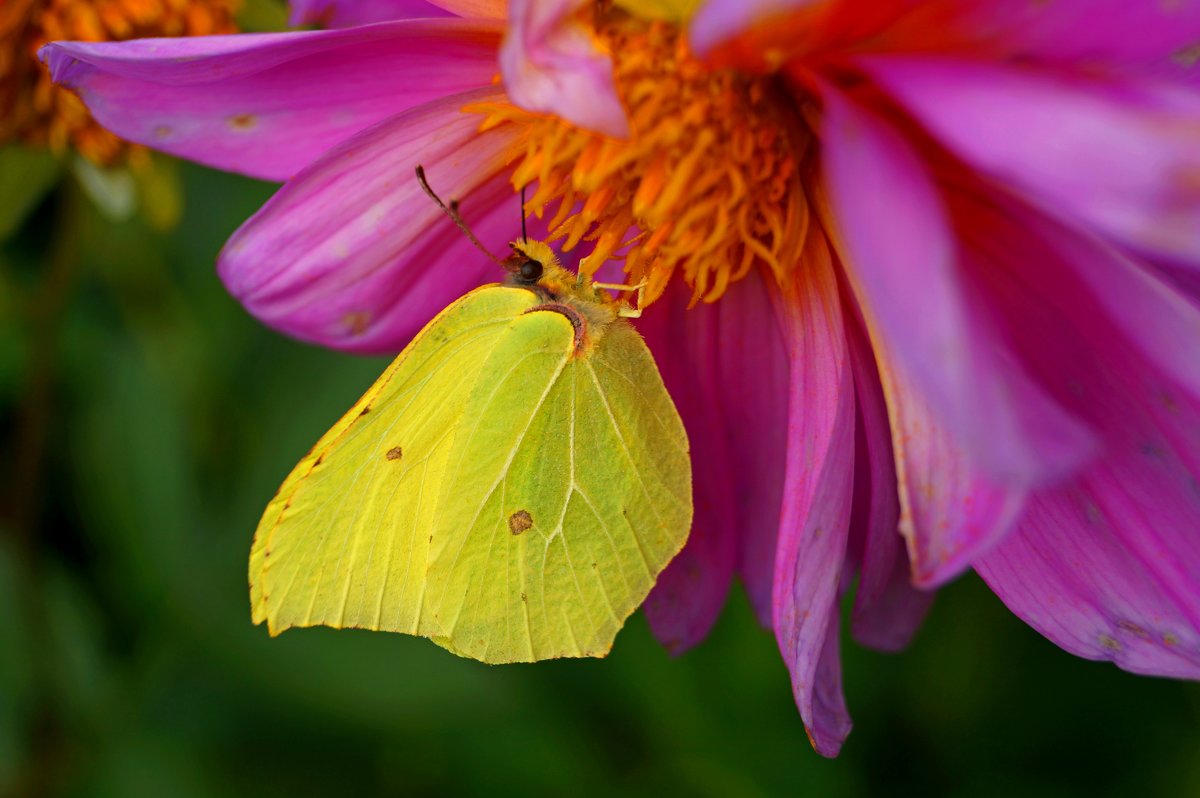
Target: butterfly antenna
{"type": "Point", "coordinates": [524, 235]}
{"type": "Point", "coordinates": [451, 210]}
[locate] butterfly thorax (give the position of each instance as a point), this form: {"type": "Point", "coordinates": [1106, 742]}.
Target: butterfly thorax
{"type": "Point", "coordinates": [589, 309]}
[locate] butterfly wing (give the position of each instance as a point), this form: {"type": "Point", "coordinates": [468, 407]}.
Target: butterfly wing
{"type": "Point", "coordinates": [344, 542]}
{"type": "Point", "coordinates": [496, 490]}
{"type": "Point", "coordinates": [567, 493]}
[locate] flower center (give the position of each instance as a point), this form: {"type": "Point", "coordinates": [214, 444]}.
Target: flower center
{"type": "Point", "coordinates": [707, 185]}
{"type": "Point", "coordinates": [34, 110]}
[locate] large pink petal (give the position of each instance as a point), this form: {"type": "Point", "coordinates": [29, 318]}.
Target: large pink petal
{"type": "Point", "coordinates": [348, 13]}
{"type": "Point", "coordinates": [267, 105]}
{"type": "Point", "coordinates": [1097, 34]}
{"type": "Point", "coordinates": [1123, 159]}
{"type": "Point", "coordinates": [690, 593]}
{"type": "Point", "coordinates": [972, 431]}
{"type": "Point", "coordinates": [811, 555]}
{"type": "Point", "coordinates": [755, 380]}
{"type": "Point", "coordinates": [888, 609]}
{"type": "Point", "coordinates": [351, 253]}
{"type": "Point", "coordinates": [1083, 569]}
{"type": "Point", "coordinates": [902, 262]}
{"type": "Point", "coordinates": [551, 64]}
{"type": "Point", "coordinates": [1108, 566]}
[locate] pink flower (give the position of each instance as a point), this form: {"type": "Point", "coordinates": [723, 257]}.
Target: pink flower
{"type": "Point", "coordinates": [946, 257]}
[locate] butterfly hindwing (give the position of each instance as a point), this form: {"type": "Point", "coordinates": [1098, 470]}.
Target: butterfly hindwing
{"type": "Point", "coordinates": [588, 496]}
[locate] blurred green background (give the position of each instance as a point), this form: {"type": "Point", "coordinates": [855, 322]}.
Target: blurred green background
{"type": "Point", "coordinates": [146, 421]}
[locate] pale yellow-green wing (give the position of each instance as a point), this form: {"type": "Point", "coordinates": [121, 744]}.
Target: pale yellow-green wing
{"type": "Point", "coordinates": [567, 492]}
{"type": "Point", "coordinates": [344, 542]}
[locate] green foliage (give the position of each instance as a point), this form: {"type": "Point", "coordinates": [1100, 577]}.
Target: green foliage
{"type": "Point", "coordinates": [25, 177]}
{"type": "Point", "coordinates": [129, 665]}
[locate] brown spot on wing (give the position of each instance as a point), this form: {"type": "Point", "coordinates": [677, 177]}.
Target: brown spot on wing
{"type": "Point", "coordinates": [394, 453]}
{"type": "Point", "coordinates": [519, 521]}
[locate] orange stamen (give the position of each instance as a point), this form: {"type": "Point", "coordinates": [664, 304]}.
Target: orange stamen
{"type": "Point", "coordinates": [710, 174]}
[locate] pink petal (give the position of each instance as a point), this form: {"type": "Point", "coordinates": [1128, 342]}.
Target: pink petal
{"type": "Point", "coordinates": [755, 380]}
{"type": "Point", "coordinates": [1093, 35]}
{"type": "Point", "coordinates": [348, 13]}
{"type": "Point", "coordinates": [1082, 569]}
{"type": "Point", "coordinates": [887, 608]}
{"type": "Point", "coordinates": [1183, 279]}
{"type": "Point", "coordinates": [1073, 306]}
{"type": "Point", "coordinates": [551, 64]}
{"type": "Point", "coordinates": [950, 513]}
{"type": "Point", "coordinates": [1096, 33]}
{"type": "Point", "coordinates": [267, 105]}
{"type": "Point", "coordinates": [474, 9]}
{"type": "Point", "coordinates": [718, 21]}
{"type": "Point", "coordinates": [1108, 565]}
{"type": "Point", "coordinates": [351, 254]}
{"type": "Point", "coordinates": [1149, 311]}
{"type": "Point", "coordinates": [819, 475]}
{"type": "Point", "coordinates": [1123, 159]}
{"type": "Point", "coordinates": [690, 593]}
{"type": "Point", "coordinates": [902, 262]}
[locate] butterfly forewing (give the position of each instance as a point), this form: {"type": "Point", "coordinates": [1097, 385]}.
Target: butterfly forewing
{"type": "Point", "coordinates": [345, 541]}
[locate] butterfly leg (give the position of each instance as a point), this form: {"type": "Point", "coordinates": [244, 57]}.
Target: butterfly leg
{"type": "Point", "coordinates": [627, 312]}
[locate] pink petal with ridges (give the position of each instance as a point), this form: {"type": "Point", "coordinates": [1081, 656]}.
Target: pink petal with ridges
{"type": "Point", "coordinates": [348, 13]}
{"type": "Point", "coordinates": [972, 431]}
{"type": "Point", "coordinates": [902, 262]}
{"type": "Point", "coordinates": [888, 609]}
{"type": "Point", "coordinates": [950, 513]}
{"type": "Point", "coordinates": [266, 105]}
{"type": "Point", "coordinates": [551, 64]}
{"type": "Point", "coordinates": [811, 553]}
{"type": "Point", "coordinates": [1121, 158]}
{"type": "Point", "coordinates": [689, 594]}
{"type": "Point", "coordinates": [1078, 571]}
{"type": "Point", "coordinates": [753, 362]}
{"type": "Point", "coordinates": [351, 254]}
{"type": "Point", "coordinates": [1107, 566]}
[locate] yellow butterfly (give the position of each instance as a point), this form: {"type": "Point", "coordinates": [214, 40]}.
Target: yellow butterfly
{"type": "Point", "coordinates": [510, 487]}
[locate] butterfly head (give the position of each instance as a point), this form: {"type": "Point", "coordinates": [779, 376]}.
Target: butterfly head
{"type": "Point", "coordinates": [530, 261]}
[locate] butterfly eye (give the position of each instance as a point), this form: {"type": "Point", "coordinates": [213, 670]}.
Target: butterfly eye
{"type": "Point", "coordinates": [530, 270]}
